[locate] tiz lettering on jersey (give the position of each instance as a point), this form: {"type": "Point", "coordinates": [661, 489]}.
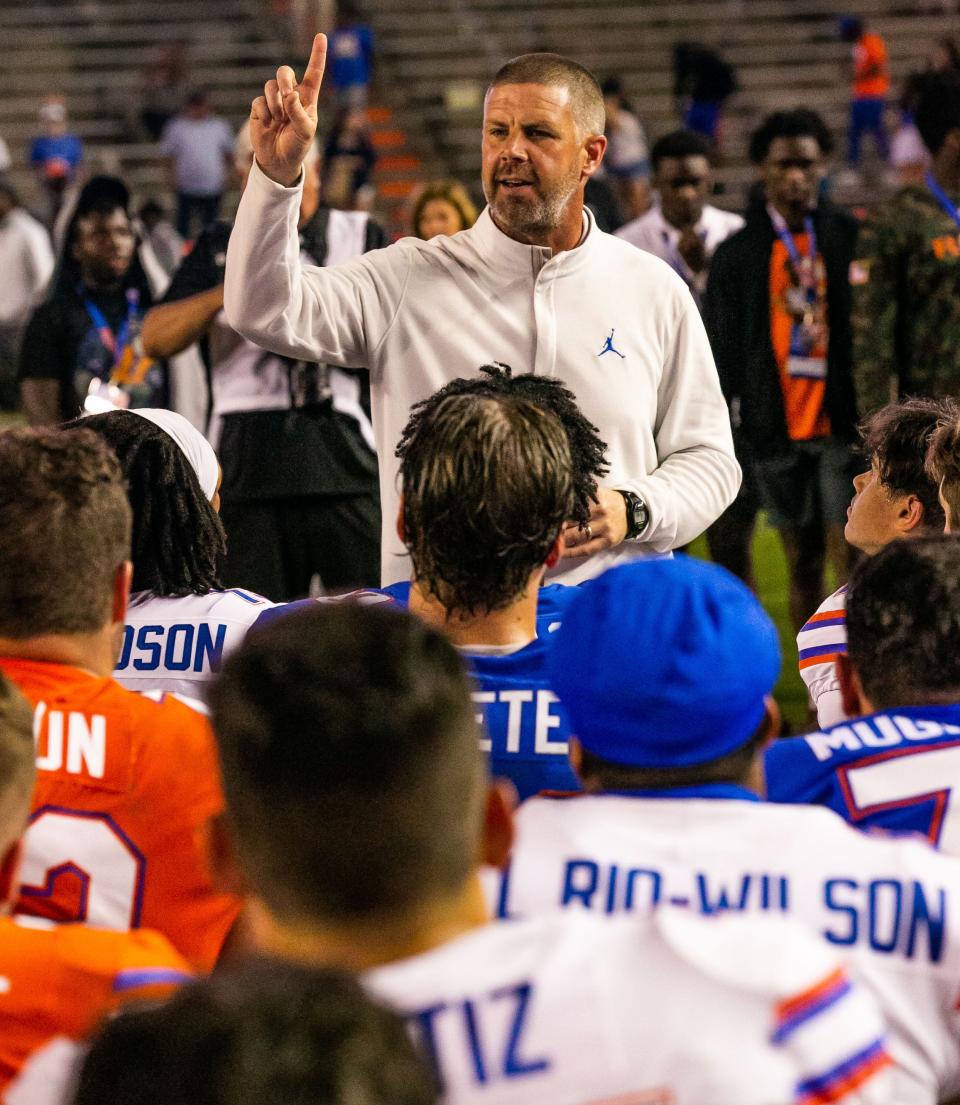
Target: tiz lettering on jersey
{"type": "Point", "coordinates": [520, 705]}
{"type": "Point", "coordinates": [877, 732]}
{"type": "Point", "coordinates": [490, 1028]}
{"type": "Point", "coordinates": [182, 647]}
{"type": "Point", "coordinates": [893, 916]}
{"type": "Point", "coordinates": [71, 742]}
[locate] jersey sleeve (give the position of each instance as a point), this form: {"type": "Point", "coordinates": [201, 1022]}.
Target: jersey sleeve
{"type": "Point", "coordinates": [835, 1037]}
{"type": "Point", "coordinates": [822, 639]}
{"type": "Point", "coordinates": [147, 969]}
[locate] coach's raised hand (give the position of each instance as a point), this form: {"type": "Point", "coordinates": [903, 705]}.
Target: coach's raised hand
{"type": "Point", "coordinates": [283, 121]}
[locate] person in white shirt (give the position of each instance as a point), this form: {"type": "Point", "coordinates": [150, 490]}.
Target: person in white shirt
{"type": "Point", "coordinates": [896, 497]}
{"type": "Point", "coordinates": [360, 809]}
{"type": "Point", "coordinates": [665, 668]}
{"type": "Point", "coordinates": [533, 284]}
{"type": "Point", "coordinates": [199, 146]}
{"type": "Point", "coordinates": [26, 260]}
{"type": "Point", "coordinates": [181, 622]}
{"type": "Point", "coordinates": [682, 228]}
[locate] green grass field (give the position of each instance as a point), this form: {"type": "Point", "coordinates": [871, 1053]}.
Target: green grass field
{"type": "Point", "coordinates": [771, 570]}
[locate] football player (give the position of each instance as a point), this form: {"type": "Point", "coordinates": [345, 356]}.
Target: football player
{"type": "Point", "coordinates": [360, 810]}
{"type": "Point", "coordinates": [127, 785]}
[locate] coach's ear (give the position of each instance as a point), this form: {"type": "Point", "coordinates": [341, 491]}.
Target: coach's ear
{"type": "Point", "coordinates": [122, 579]}
{"type": "Point", "coordinates": [855, 702]}
{"type": "Point", "coordinates": [556, 549]}
{"type": "Point", "coordinates": [498, 831]}
{"type": "Point", "coordinates": [401, 529]}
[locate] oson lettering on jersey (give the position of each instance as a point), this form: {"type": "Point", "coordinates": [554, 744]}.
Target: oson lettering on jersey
{"type": "Point", "coordinates": [181, 647]}
{"type": "Point", "coordinates": [521, 706]}
{"type": "Point", "coordinates": [895, 916]}
{"type": "Point", "coordinates": [70, 741]}
{"type": "Point", "coordinates": [877, 732]}
{"type": "Point", "coordinates": [489, 1029]}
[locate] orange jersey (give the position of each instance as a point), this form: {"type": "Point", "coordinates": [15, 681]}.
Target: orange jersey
{"type": "Point", "coordinates": [802, 398]}
{"type": "Point", "coordinates": [871, 72]}
{"type": "Point", "coordinates": [125, 788]}
{"type": "Point", "coordinates": [57, 982]}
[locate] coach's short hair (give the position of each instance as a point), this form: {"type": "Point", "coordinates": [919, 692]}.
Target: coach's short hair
{"type": "Point", "coordinates": [268, 1032]}
{"type": "Point", "coordinates": [17, 762]}
{"type": "Point", "coordinates": [897, 437]}
{"type": "Point", "coordinates": [491, 467]}
{"type": "Point", "coordinates": [903, 623]}
{"type": "Point", "coordinates": [64, 530]}
{"type": "Point", "coordinates": [557, 71]}
{"type": "Point", "coordinates": [351, 763]}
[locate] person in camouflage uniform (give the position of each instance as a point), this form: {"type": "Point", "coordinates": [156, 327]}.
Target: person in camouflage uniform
{"type": "Point", "coordinates": [906, 280]}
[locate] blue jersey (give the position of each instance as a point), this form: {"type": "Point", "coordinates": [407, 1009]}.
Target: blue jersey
{"type": "Point", "coordinates": [528, 730]}
{"type": "Point", "coordinates": [892, 770]}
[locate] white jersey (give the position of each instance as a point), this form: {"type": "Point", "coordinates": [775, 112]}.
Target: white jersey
{"type": "Point", "coordinates": [668, 1010]}
{"type": "Point", "coordinates": [178, 644]}
{"type": "Point", "coordinates": [822, 639]}
{"type": "Point", "coordinates": [890, 906]}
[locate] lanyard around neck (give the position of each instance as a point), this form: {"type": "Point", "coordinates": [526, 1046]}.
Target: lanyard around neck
{"type": "Point", "coordinates": [790, 244]}
{"type": "Point", "coordinates": [114, 343]}
{"type": "Point", "coordinates": [942, 198]}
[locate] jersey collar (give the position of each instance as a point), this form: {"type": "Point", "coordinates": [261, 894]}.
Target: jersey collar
{"type": "Point", "coordinates": [698, 790]}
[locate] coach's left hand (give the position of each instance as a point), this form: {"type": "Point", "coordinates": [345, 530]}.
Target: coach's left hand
{"type": "Point", "coordinates": [607, 526]}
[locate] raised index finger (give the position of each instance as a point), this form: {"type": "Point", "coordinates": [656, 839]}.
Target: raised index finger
{"type": "Point", "coordinates": [313, 75]}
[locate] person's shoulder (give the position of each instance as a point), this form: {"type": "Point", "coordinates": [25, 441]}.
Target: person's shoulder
{"type": "Point", "coordinates": [650, 271]}
{"type": "Point", "coordinates": [234, 604]}
{"type": "Point", "coordinates": [640, 228]}
{"type": "Point", "coordinates": [824, 634]}
{"type": "Point", "coordinates": [728, 221]}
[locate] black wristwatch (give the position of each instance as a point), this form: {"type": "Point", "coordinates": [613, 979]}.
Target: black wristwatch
{"type": "Point", "coordinates": [637, 514]}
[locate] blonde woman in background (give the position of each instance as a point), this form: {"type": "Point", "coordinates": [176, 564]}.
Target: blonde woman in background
{"type": "Point", "coordinates": [443, 207]}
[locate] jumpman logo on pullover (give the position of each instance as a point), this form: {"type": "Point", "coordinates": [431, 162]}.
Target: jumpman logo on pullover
{"type": "Point", "coordinates": [608, 347]}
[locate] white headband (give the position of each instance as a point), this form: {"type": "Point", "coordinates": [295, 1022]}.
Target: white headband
{"type": "Point", "coordinates": [194, 446]}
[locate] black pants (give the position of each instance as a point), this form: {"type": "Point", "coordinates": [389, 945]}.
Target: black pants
{"type": "Point", "coordinates": [275, 547]}
{"type": "Point", "coordinates": [203, 208]}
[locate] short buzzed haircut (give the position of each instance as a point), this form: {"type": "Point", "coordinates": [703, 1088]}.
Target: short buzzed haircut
{"type": "Point", "coordinates": [17, 762]}
{"type": "Point", "coordinates": [556, 71]}
{"type": "Point", "coordinates": [64, 531]}
{"type": "Point", "coordinates": [491, 467]}
{"type": "Point", "coordinates": [897, 439]}
{"type": "Point", "coordinates": [903, 623]}
{"type": "Point", "coordinates": [267, 1032]}
{"type": "Point", "coordinates": [351, 763]}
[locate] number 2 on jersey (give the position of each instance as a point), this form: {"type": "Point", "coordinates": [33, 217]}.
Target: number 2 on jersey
{"type": "Point", "coordinates": [64, 848]}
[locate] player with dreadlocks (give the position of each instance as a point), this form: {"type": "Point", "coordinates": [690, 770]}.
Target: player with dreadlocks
{"type": "Point", "coordinates": [494, 471]}
{"type": "Point", "coordinates": [180, 622]}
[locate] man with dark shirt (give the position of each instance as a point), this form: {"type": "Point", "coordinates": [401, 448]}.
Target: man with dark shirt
{"type": "Point", "coordinates": [777, 309]}
{"type": "Point", "coordinates": [81, 349]}
{"type": "Point", "coordinates": [300, 494]}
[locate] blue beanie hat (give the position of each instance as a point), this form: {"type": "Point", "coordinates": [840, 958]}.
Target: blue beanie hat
{"type": "Point", "coordinates": [664, 663]}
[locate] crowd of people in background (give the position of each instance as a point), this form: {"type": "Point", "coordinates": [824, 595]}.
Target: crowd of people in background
{"type": "Point", "coordinates": [363, 719]}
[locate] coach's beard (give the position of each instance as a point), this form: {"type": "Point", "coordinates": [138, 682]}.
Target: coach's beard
{"type": "Point", "coordinates": [531, 216]}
